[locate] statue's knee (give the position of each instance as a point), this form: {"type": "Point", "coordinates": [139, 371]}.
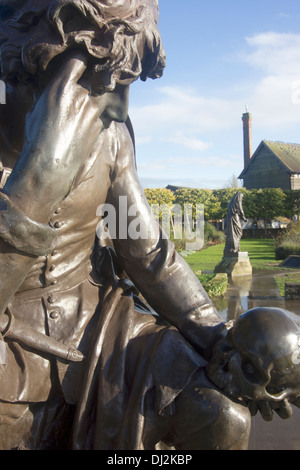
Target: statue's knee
{"type": "Point", "coordinates": [207, 419]}
{"type": "Point", "coordinates": [233, 425]}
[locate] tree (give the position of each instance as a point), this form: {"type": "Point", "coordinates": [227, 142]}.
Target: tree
{"type": "Point", "coordinates": [193, 197]}
{"type": "Point", "coordinates": [266, 204]}
{"type": "Point", "coordinates": [224, 196]}
{"type": "Point", "coordinates": [233, 182]}
{"type": "Point", "coordinates": [292, 203]}
{"type": "Point", "coordinates": [159, 196]}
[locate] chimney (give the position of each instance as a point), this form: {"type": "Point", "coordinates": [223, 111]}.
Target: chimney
{"type": "Point", "coordinates": [247, 138]}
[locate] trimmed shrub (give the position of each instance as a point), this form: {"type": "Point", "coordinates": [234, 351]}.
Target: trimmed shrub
{"type": "Point", "coordinates": [287, 248]}
{"type": "Point", "coordinates": [288, 243]}
{"type": "Point", "coordinates": [211, 234]}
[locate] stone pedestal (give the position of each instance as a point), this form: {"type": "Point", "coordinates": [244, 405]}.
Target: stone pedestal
{"type": "Point", "coordinates": [235, 265]}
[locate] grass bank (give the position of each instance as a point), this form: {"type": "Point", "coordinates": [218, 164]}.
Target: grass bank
{"type": "Point", "coordinates": [282, 278]}
{"type": "Point", "coordinates": [214, 284]}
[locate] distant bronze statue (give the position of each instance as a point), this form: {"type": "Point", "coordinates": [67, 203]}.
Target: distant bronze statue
{"type": "Point", "coordinates": [85, 363]}
{"type": "Point", "coordinates": [233, 225]}
{"type": "Point", "coordinates": [234, 262]}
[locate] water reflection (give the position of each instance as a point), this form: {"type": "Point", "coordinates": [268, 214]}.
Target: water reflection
{"type": "Point", "coordinates": [260, 290]}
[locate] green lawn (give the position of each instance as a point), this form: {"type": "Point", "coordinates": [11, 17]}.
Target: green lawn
{"type": "Point", "coordinates": [261, 254]}
{"type": "Point", "coordinates": [205, 260]}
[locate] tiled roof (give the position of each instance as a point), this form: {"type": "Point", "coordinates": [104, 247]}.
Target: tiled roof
{"type": "Point", "coordinates": [289, 154]}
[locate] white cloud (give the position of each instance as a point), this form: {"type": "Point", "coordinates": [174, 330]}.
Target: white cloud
{"type": "Point", "coordinates": [284, 15]}
{"type": "Point", "coordinates": [190, 142]}
{"type": "Point", "coordinates": [275, 53]}
{"type": "Point", "coordinates": [182, 112]}
{"type": "Point", "coordinates": [186, 164]}
{"type": "Point", "coordinates": [277, 57]}
{"type": "Point", "coordinates": [143, 139]}
{"type": "Point", "coordinates": [184, 116]}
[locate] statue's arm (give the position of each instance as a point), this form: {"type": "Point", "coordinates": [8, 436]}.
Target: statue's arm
{"type": "Point", "coordinates": [162, 276]}
{"type": "Point", "coordinates": [60, 131]}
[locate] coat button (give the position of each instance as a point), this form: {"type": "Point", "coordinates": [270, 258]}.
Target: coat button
{"type": "Point", "coordinates": [58, 224]}
{"type": "Point", "coordinates": [54, 315]}
{"type": "Point", "coordinates": [51, 299]}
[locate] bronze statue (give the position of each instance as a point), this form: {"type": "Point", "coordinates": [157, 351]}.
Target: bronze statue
{"type": "Point", "coordinates": [233, 226]}
{"type": "Point", "coordinates": [67, 64]}
{"type": "Point", "coordinates": [85, 362]}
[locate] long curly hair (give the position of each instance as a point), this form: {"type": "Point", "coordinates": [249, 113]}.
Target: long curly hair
{"type": "Point", "coordinates": [120, 36]}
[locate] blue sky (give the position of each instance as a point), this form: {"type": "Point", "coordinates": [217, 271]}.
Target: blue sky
{"type": "Point", "coordinates": [222, 55]}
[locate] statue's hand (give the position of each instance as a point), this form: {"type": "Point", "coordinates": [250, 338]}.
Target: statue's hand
{"type": "Point", "coordinates": [60, 133]}
{"type": "Point", "coordinates": [65, 120]}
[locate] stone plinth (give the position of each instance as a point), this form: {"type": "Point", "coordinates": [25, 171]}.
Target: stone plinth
{"type": "Point", "coordinates": [235, 265]}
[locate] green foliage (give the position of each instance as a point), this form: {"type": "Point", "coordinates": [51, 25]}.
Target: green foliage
{"type": "Point", "coordinates": [281, 279]}
{"type": "Point", "coordinates": [224, 197]}
{"type": "Point", "coordinates": [265, 203]}
{"type": "Point", "coordinates": [160, 196]}
{"type": "Point", "coordinates": [268, 203]}
{"type": "Point", "coordinates": [292, 203]}
{"type": "Point", "coordinates": [287, 248]}
{"type": "Point", "coordinates": [214, 284]}
{"type": "Point", "coordinates": [211, 234]}
{"type": "Point", "coordinates": [288, 243]}
{"type": "Point", "coordinates": [292, 233]}
{"type": "Point", "coordinates": [194, 196]}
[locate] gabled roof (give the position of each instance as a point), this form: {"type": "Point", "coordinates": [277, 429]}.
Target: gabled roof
{"type": "Point", "coordinates": [287, 154]}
